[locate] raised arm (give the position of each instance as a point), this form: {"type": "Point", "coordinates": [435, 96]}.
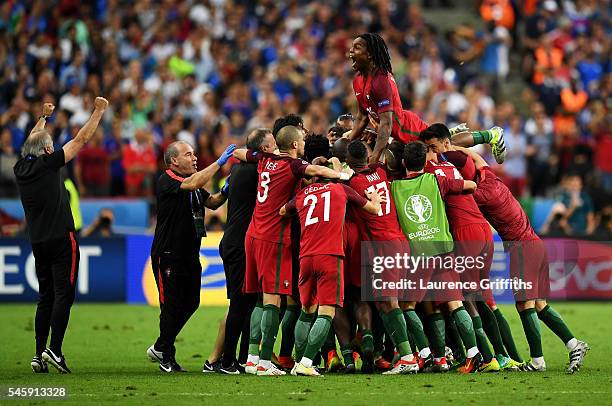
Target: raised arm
{"type": "Point", "coordinates": [72, 147]}
{"type": "Point", "coordinates": [201, 178]}
{"type": "Point", "coordinates": [382, 139]}
{"type": "Point", "coordinates": [42, 120]}
{"type": "Point", "coordinates": [373, 205]}
{"type": "Point", "coordinates": [361, 122]}
{"type": "Point", "coordinates": [322, 171]}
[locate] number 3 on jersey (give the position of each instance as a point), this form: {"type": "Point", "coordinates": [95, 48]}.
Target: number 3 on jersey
{"type": "Point", "coordinates": [264, 181]}
{"type": "Point", "coordinates": [312, 201]}
{"type": "Point", "coordinates": [376, 189]}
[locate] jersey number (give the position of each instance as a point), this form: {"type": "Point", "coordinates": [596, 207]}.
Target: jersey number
{"type": "Point", "coordinates": [312, 201]}
{"type": "Point", "coordinates": [376, 189]}
{"type": "Point", "coordinates": [265, 180]}
{"type": "Point", "coordinates": [440, 172]}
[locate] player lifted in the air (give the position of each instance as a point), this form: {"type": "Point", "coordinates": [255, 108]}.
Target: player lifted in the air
{"type": "Point", "coordinates": [379, 101]}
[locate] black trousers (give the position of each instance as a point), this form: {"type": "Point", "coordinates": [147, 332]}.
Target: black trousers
{"type": "Point", "coordinates": [57, 268]}
{"type": "Point", "coordinates": [241, 305]}
{"type": "Point", "coordinates": [178, 283]}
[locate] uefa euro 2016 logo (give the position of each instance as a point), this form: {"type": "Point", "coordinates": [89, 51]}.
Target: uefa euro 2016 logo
{"type": "Point", "coordinates": [418, 208]}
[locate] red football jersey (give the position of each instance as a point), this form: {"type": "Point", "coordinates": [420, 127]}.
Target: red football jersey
{"type": "Point", "coordinates": [321, 208]}
{"type": "Point", "coordinates": [461, 209]}
{"type": "Point", "coordinates": [278, 179]}
{"type": "Point", "coordinates": [372, 227]}
{"type": "Point", "coordinates": [376, 94]}
{"type": "Point", "coordinates": [495, 200]}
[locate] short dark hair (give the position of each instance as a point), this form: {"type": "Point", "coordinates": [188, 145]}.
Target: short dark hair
{"type": "Point", "coordinates": [289, 119]}
{"type": "Point", "coordinates": [315, 146]}
{"type": "Point", "coordinates": [337, 130]}
{"type": "Point", "coordinates": [357, 150]}
{"type": "Point", "coordinates": [256, 138]}
{"type": "Point", "coordinates": [415, 155]}
{"type": "Point", "coordinates": [437, 130]}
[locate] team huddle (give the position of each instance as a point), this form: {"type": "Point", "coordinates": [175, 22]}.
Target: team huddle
{"type": "Point", "coordinates": [327, 207]}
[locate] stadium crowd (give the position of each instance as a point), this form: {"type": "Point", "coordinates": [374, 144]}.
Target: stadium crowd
{"type": "Point", "coordinates": [207, 72]}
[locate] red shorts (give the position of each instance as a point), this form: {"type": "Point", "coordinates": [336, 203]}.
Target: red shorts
{"type": "Point", "coordinates": [529, 264]}
{"type": "Point", "coordinates": [352, 254]}
{"type": "Point", "coordinates": [321, 280]}
{"type": "Point", "coordinates": [473, 254]}
{"type": "Point", "coordinates": [444, 278]}
{"type": "Point", "coordinates": [268, 267]}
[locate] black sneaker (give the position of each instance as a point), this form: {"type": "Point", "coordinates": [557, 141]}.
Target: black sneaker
{"type": "Point", "coordinates": [229, 370]}
{"type": "Point", "coordinates": [39, 366]}
{"type": "Point", "coordinates": [59, 362]}
{"type": "Point", "coordinates": [211, 367]}
{"type": "Point", "coordinates": [367, 366]}
{"type": "Point", "coordinates": [349, 369]}
{"type": "Point", "coordinates": [171, 365]}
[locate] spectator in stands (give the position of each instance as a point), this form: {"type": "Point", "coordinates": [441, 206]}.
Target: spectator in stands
{"type": "Point", "coordinates": [92, 168]}
{"type": "Point", "coordinates": [8, 158]}
{"type": "Point", "coordinates": [102, 226]}
{"type": "Point", "coordinates": [541, 159]}
{"type": "Point", "coordinates": [573, 210]}
{"type": "Point", "coordinates": [140, 164]}
{"type": "Point", "coordinates": [114, 148]}
{"type": "Point", "coordinates": [515, 166]}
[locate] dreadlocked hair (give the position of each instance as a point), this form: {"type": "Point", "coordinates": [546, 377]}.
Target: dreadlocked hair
{"type": "Point", "coordinates": [379, 51]}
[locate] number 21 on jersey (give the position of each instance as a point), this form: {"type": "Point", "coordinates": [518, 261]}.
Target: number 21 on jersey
{"type": "Point", "coordinates": [312, 200]}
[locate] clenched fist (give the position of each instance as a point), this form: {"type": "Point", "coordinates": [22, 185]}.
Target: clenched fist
{"type": "Point", "coordinates": [48, 109]}
{"type": "Point", "coordinates": [100, 103]}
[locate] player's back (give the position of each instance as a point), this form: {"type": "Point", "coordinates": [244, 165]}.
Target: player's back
{"type": "Point", "coordinates": [494, 199]}
{"type": "Point", "coordinates": [321, 208]}
{"type": "Point", "coordinates": [383, 226]}
{"type": "Point", "coordinates": [277, 183]}
{"type": "Point", "coordinates": [461, 209]}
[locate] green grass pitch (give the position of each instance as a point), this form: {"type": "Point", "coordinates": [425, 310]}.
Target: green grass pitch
{"type": "Point", "coordinates": [105, 347]}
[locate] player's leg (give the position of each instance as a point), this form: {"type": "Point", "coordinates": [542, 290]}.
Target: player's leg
{"type": "Point", "coordinates": [506, 333]}
{"type": "Point", "coordinates": [64, 267]}
{"type": "Point", "coordinates": [553, 320]}
{"type": "Point", "coordinates": [465, 327]}
{"type": "Point", "coordinates": [42, 323]}
{"type": "Point", "coordinates": [316, 337]}
{"type": "Point", "coordinates": [395, 325]}
{"type": "Point", "coordinates": [254, 337]}
{"type": "Point", "coordinates": [493, 136]}
{"type": "Point", "coordinates": [213, 361]}
{"type": "Point", "coordinates": [416, 329]}
{"type": "Point", "coordinates": [533, 333]}
{"type": "Point", "coordinates": [341, 328]}
{"type": "Point", "coordinates": [290, 318]}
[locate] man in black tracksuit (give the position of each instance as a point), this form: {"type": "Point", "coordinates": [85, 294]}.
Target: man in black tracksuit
{"type": "Point", "coordinates": [241, 204]}
{"type": "Point", "coordinates": [51, 231]}
{"type": "Point", "coordinates": [175, 252]}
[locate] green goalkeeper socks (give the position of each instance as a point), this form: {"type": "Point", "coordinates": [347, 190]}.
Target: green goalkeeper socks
{"type": "Point", "coordinates": [269, 330]}
{"type": "Point", "coordinates": [255, 335]}
{"type": "Point", "coordinates": [302, 328]}
{"type": "Point", "coordinates": [531, 326]}
{"type": "Point", "coordinates": [367, 341]}
{"type": "Point", "coordinates": [506, 333]}
{"type": "Point", "coordinates": [317, 335]}
{"type": "Point", "coordinates": [554, 321]}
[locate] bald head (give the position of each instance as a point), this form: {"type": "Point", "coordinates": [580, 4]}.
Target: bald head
{"type": "Point", "coordinates": [38, 143]}
{"type": "Point", "coordinates": [339, 150]}
{"type": "Point", "coordinates": [287, 136]}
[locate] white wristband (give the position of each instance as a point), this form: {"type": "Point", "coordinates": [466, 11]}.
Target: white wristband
{"type": "Point", "coordinates": [344, 176]}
